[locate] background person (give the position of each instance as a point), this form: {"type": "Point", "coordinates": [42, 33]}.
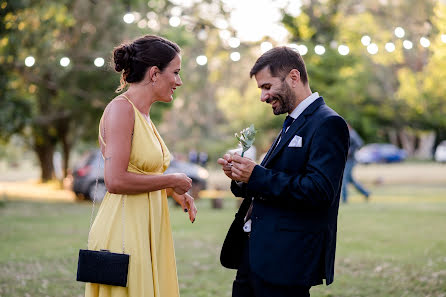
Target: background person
{"type": "Point", "coordinates": [356, 143]}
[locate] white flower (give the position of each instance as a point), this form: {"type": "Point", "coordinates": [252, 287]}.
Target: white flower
{"type": "Point", "coordinates": [246, 138]}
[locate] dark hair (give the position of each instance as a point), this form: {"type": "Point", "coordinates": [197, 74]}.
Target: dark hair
{"type": "Point", "coordinates": [136, 57]}
{"type": "Point", "coordinates": [281, 60]}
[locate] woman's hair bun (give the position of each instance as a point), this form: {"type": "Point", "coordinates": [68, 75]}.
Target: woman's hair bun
{"type": "Point", "coordinates": [122, 57]}
{"type": "Point", "coordinates": [133, 59]}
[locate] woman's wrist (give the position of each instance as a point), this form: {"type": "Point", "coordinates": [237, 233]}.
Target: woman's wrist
{"type": "Point", "coordinates": [169, 181]}
{"type": "Point", "coordinates": [172, 180]}
{"type": "Point", "coordinates": [177, 197]}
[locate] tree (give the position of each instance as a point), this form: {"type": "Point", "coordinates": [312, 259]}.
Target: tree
{"type": "Point", "coordinates": [382, 95]}
{"type": "Point", "coordinates": [49, 104]}
{"type": "Point", "coordinates": [196, 121]}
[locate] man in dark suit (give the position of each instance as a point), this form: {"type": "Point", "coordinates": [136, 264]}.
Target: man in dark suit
{"type": "Point", "coordinates": [283, 238]}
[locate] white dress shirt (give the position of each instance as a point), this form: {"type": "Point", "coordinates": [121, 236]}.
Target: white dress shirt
{"type": "Point", "coordinates": [303, 105]}
{"type": "Point", "coordinates": [300, 109]}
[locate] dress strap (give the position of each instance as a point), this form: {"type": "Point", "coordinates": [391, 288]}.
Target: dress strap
{"type": "Point", "coordinates": [128, 99]}
{"type": "Point", "coordinates": [134, 107]}
{"type": "Point", "coordinates": [101, 138]}
{"type": "Point", "coordinates": [100, 135]}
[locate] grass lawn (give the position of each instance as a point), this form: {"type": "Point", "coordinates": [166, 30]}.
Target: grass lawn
{"type": "Point", "coordinates": [393, 246]}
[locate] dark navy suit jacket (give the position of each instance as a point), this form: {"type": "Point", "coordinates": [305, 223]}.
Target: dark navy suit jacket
{"type": "Point", "coordinates": [295, 194]}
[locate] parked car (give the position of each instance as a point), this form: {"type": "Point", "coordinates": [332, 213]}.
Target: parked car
{"type": "Point", "coordinates": [380, 153]}
{"type": "Point", "coordinates": [85, 172]}
{"type": "Point", "coordinates": [440, 152]}
{"type": "Point", "coordinates": [197, 173]}
{"type": "Point", "coordinates": [84, 176]}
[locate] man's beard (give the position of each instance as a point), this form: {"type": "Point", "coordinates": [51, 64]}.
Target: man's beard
{"type": "Point", "coordinates": [286, 100]}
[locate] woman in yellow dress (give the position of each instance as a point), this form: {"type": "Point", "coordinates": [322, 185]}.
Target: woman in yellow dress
{"type": "Point", "coordinates": [134, 213]}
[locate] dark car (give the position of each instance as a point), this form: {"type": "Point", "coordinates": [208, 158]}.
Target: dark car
{"type": "Point", "coordinates": [197, 173]}
{"type": "Point", "coordinates": [380, 153]}
{"type": "Point", "coordinates": [84, 176]}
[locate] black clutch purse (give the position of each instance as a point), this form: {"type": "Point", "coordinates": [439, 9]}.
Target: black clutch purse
{"type": "Point", "coordinates": [103, 267]}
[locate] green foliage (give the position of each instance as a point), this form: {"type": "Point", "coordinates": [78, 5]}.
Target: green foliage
{"type": "Point", "coordinates": [243, 107]}
{"type": "Point", "coordinates": [50, 104]}
{"type": "Point", "coordinates": [14, 112]}
{"type": "Point", "coordinates": [382, 92]}
{"type": "Point", "coordinates": [47, 103]}
{"type": "Point", "coordinates": [196, 122]}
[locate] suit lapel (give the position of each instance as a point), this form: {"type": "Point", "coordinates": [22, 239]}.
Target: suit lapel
{"type": "Point", "coordinates": [295, 126]}
{"type": "Point", "coordinates": [288, 135]}
{"type": "Point", "coordinates": [265, 159]}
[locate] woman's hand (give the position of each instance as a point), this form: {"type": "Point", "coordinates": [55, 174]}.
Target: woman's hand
{"type": "Point", "coordinates": [181, 183]}
{"type": "Point", "coordinates": [191, 208]}
{"type": "Point", "coordinates": [187, 203]}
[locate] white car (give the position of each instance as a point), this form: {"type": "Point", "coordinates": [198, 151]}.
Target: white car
{"type": "Point", "coordinates": [440, 152]}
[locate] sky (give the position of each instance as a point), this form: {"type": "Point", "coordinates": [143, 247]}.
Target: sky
{"type": "Point", "coordinates": [254, 19]}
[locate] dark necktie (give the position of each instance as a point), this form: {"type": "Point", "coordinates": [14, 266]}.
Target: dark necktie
{"type": "Point", "coordinates": [288, 121]}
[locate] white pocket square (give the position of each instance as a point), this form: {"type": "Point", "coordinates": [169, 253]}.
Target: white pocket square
{"type": "Point", "coordinates": [296, 141]}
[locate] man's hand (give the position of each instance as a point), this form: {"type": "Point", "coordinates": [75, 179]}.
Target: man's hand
{"type": "Point", "coordinates": [226, 164]}
{"type": "Point", "coordinates": [242, 168]}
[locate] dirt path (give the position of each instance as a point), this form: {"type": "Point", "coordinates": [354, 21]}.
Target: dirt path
{"type": "Point", "coordinates": [404, 173]}
{"type": "Point", "coordinates": [390, 174]}
{"type": "Point", "coordinates": [33, 190]}
{"type": "Point", "coordinates": [376, 174]}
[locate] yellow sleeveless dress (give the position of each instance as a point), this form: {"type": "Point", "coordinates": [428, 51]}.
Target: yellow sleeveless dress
{"type": "Point", "coordinates": [148, 235]}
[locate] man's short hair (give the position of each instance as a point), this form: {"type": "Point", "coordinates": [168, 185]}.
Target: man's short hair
{"type": "Point", "coordinates": [281, 60]}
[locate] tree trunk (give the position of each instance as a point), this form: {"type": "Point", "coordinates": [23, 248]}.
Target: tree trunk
{"type": "Point", "coordinates": [44, 134]}
{"type": "Point", "coordinates": [408, 141]}
{"type": "Point", "coordinates": [63, 129]}
{"type": "Point", "coordinates": [45, 153]}
{"type": "Point", "coordinates": [425, 145]}
{"type": "Point", "coordinates": [44, 144]}
{"type": "Point", "coordinates": [66, 156]}
{"type": "Point", "coordinates": [393, 136]}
